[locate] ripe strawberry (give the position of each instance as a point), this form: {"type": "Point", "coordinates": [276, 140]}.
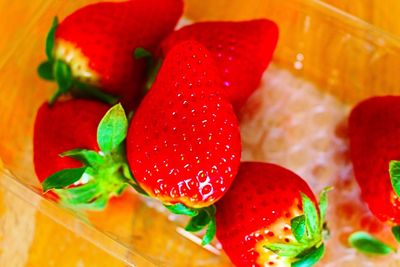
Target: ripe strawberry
{"type": "Point", "coordinates": [183, 144]}
{"type": "Point", "coordinates": [374, 133]}
{"type": "Point", "coordinates": [94, 46]}
{"type": "Point", "coordinates": [66, 126]}
{"type": "Point", "coordinates": [82, 170]}
{"type": "Point", "coordinates": [269, 217]}
{"type": "Point", "coordinates": [242, 51]}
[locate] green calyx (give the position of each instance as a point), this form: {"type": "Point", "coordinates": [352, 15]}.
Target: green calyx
{"type": "Point", "coordinates": [309, 230]}
{"type": "Point", "coordinates": [105, 174]}
{"type": "Point", "coordinates": [57, 70]}
{"type": "Point", "coordinates": [202, 218]}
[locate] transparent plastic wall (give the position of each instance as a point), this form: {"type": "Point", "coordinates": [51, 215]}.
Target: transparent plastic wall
{"type": "Point", "coordinates": [343, 55]}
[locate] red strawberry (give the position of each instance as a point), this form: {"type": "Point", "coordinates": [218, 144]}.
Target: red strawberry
{"type": "Point", "coordinates": [242, 51]}
{"type": "Point", "coordinates": [374, 132]}
{"type": "Point", "coordinates": [269, 218]}
{"type": "Point", "coordinates": [183, 144]}
{"type": "Point", "coordinates": [96, 43]}
{"type": "Point", "coordinates": [66, 126]}
{"type": "Point", "coordinates": [67, 155]}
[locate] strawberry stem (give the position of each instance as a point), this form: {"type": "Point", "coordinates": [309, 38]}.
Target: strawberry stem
{"type": "Point", "coordinates": [84, 90]}
{"type": "Point", "coordinates": [54, 97]}
{"type": "Point", "coordinates": [200, 219]}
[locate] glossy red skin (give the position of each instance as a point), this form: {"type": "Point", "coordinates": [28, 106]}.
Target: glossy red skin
{"type": "Point", "coordinates": [184, 128]}
{"type": "Point", "coordinates": [261, 194]}
{"type": "Point", "coordinates": [374, 133]}
{"type": "Point", "coordinates": [242, 51]}
{"type": "Point", "coordinates": [108, 34]}
{"type": "Point", "coordinates": [65, 126]}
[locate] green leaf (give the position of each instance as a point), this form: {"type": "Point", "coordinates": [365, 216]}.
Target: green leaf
{"type": "Point", "coordinates": [311, 216]}
{"type": "Point", "coordinates": [79, 195]}
{"type": "Point", "coordinates": [112, 129]}
{"type": "Point", "coordinates": [368, 244]}
{"type": "Point", "coordinates": [323, 205]}
{"type": "Point", "coordinates": [394, 171]}
{"type": "Point", "coordinates": [50, 39]}
{"type": "Point", "coordinates": [298, 225]}
{"type": "Point", "coordinates": [182, 210]}
{"type": "Point", "coordinates": [97, 205]}
{"type": "Point", "coordinates": [87, 157]}
{"type": "Point", "coordinates": [63, 178]}
{"type": "Point", "coordinates": [198, 222]}
{"type": "Point", "coordinates": [63, 76]}
{"type": "Point", "coordinates": [285, 250]}
{"type": "Point", "coordinates": [140, 52]}
{"type": "Point", "coordinates": [210, 232]}
{"type": "Point", "coordinates": [396, 232]}
{"type": "Point", "coordinates": [45, 70]}
{"type": "Point", "coordinates": [311, 258]}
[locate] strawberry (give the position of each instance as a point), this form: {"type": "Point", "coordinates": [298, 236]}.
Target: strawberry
{"type": "Point", "coordinates": [93, 47]}
{"type": "Point", "coordinates": [269, 217]}
{"type": "Point", "coordinates": [242, 51]}
{"type": "Point", "coordinates": [374, 135]}
{"type": "Point", "coordinates": [183, 144]}
{"type": "Point", "coordinates": [84, 171]}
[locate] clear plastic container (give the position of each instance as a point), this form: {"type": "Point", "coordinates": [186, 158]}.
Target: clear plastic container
{"type": "Point", "coordinates": [335, 52]}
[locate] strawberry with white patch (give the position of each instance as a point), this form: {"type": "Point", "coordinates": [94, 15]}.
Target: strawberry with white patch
{"type": "Point", "coordinates": [92, 50]}
{"type": "Point", "coordinates": [269, 217]}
